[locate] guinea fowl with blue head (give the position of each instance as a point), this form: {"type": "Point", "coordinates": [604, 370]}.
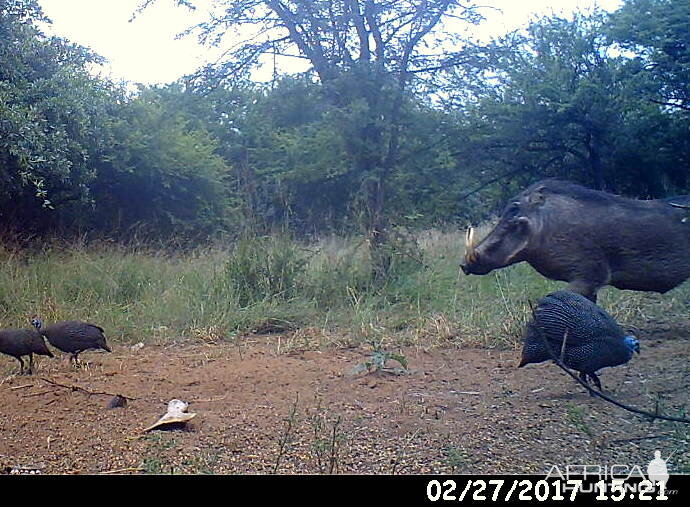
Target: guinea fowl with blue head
{"type": "Point", "coordinates": [73, 336]}
{"type": "Point", "coordinates": [593, 339]}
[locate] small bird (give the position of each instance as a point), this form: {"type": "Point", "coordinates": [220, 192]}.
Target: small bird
{"type": "Point", "coordinates": [23, 342]}
{"type": "Point", "coordinates": [593, 339]}
{"type": "Point", "coordinates": [73, 336]}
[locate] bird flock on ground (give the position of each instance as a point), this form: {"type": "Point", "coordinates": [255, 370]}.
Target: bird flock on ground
{"type": "Point", "coordinates": [69, 336]}
{"type": "Point", "coordinates": [565, 325]}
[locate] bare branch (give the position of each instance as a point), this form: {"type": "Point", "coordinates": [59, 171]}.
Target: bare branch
{"type": "Point", "coordinates": [370, 16]}
{"type": "Point", "coordinates": [362, 33]}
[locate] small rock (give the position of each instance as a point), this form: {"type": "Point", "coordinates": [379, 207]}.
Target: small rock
{"type": "Point", "coordinates": [117, 401]}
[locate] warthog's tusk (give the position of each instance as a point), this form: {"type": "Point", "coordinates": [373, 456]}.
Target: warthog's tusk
{"type": "Point", "coordinates": [470, 253]}
{"type": "Point", "coordinates": [682, 206]}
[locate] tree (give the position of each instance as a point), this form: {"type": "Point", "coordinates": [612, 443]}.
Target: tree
{"type": "Point", "coordinates": [162, 174]}
{"type": "Point", "coordinates": [556, 105]}
{"type": "Point", "coordinates": [657, 32]}
{"type": "Point", "coordinates": [78, 151]}
{"type": "Point", "coordinates": [52, 113]}
{"type": "Point", "coordinates": [367, 55]}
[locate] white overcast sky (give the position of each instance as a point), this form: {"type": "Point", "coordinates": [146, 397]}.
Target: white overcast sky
{"type": "Point", "coordinates": [145, 50]}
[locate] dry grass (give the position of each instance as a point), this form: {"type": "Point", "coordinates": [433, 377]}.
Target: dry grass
{"type": "Point", "coordinates": [315, 295]}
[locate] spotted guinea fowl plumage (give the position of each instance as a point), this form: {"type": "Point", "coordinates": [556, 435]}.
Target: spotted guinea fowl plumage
{"type": "Point", "coordinates": [594, 339]}
{"type": "Point", "coordinates": [23, 342]}
{"type": "Point", "coordinates": [73, 336]}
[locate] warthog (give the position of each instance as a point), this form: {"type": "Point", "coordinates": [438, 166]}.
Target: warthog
{"type": "Point", "coordinates": [588, 238]}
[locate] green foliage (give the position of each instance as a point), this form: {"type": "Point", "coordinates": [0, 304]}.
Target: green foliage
{"type": "Point", "coordinates": [76, 151]}
{"type": "Point", "coordinates": [162, 174]}
{"type": "Point", "coordinates": [52, 114]}
{"type": "Point", "coordinates": [562, 102]}
{"type": "Point", "coordinates": [457, 458]}
{"type": "Point", "coordinates": [359, 144]}
{"type": "Point", "coordinates": [157, 459]}
{"type": "Point", "coordinates": [657, 32]}
{"type": "Point", "coordinates": [576, 417]}
{"type": "Point", "coordinates": [378, 359]}
{"type": "Point", "coordinates": [265, 268]}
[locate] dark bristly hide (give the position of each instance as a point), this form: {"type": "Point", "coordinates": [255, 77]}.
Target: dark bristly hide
{"type": "Point", "coordinates": [593, 339]}
{"type": "Point", "coordinates": [23, 342]}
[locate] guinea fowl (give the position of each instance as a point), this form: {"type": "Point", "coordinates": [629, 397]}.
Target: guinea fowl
{"type": "Point", "coordinates": [73, 336]}
{"type": "Point", "coordinates": [23, 342]}
{"type": "Point", "coordinates": [593, 339]}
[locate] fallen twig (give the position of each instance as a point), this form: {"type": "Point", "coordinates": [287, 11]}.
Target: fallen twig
{"type": "Point", "coordinates": [399, 455]}
{"type": "Point", "coordinates": [638, 439]}
{"type": "Point", "coordinates": [210, 400]}
{"type": "Point", "coordinates": [87, 391]}
{"type": "Point", "coordinates": [122, 470]}
{"type": "Point", "coordinates": [20, 387]}
{"type": "Point", "coordinates": [285, 438]}
{"type": "Point", "coordinates": [36, 394]}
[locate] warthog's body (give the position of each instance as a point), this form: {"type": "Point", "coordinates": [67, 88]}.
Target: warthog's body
{"type": "Point", "coordinates": [589, 239]}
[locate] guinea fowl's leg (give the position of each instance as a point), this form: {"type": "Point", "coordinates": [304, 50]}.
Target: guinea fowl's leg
{"type": "Point", "coordinates": [585, 379]}
{"type": "Point", "coordinates": [21, 365]}
{"type": "Point", "coordinates": [31, 364]}
{"type": "Point", "coordinates": [596, 381]}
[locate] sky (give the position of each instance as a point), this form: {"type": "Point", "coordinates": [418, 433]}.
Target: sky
{"type": "Point", "coordinates": [146, 51]}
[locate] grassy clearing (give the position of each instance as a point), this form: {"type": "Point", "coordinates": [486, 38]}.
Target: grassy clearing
{"type": "Point", "coordinates": [319, 292]}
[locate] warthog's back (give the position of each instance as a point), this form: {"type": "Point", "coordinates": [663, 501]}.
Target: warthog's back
{"type": "Point", "coordinates": [602, 239]}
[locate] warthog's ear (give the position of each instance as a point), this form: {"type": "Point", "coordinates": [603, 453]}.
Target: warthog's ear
{"type": "Point", "coordinates": [537, 197]}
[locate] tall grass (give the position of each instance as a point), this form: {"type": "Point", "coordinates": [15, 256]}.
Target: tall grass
{"type": "Point", "coordinates": [278, 284]}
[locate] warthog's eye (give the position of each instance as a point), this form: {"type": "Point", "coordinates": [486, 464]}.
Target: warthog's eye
{"type": "Point", "coordinates": [518, 221]}
{"type": "Point", "coordinates": [512, 209]}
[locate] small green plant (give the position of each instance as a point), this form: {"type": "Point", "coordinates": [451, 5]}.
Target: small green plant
{"type": "Point", "coordinates": [377, 362]}
{"type": "Point", "coordinates": [455, 457]}
{"type": "Point", "coordinates": [576, 416]}
{"type": "Point", "coordinates": [402, 449]}
{"type": "Point", "coordinates": [285, 438]}
{"type": "Point", "coordinates": [327, 439]}
{"type": "Point", "coordinates": [204, 462]}
{"type": "Point", "coordinates": [153, 465]}
{"type": "Point", "coordinates": [155, 461]}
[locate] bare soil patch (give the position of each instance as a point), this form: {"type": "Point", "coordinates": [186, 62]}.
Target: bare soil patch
{"type": "Point", "coordinates": [260, 411]}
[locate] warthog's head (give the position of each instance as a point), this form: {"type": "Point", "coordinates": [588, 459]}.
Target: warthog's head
{"type": "Point", "coordinates": [506, 243]}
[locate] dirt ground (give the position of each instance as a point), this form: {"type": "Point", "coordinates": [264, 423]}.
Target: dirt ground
{"type": "Point", "coordinates": [263, 410]}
